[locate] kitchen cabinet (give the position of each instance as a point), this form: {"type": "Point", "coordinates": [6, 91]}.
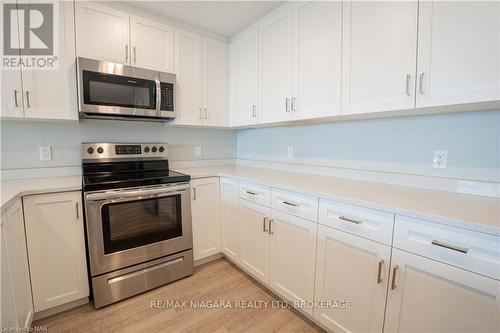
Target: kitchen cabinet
{"type": "Point", "coordinates": [458, 52]}
{"type": "Point", "coordinates": [354, 269]}
{"type": "Point", "coordinates": [245, 79]}
{"type": "Point", "coordinates": [214, 82]}
{"type": "Point", "coordinates": [205, 210]}
{"type": "Point", "coordinates": [17, 303]}
{"type": "Point", "coordinates": [254, 239]}
{"type": "Point", "coordinates": [317, 59]}
{"type": "Point", "coordinates": [27, 93]}
{"type": "Point", "coordinates": [379, 56]}
{"type": "Point", "coordinates": [275, 39]}
{"type": "Point", "coordinates": [428, 296]}
{"type": "Point", "coordinates": [292, 257]}
{"type": "Point", "coordinates": [56, 248]}
{"type": "Point", "coordinates": [102, 32]}
{"type": "Point", "coordinates": [152, 44]}
{"type": "Point", "coordinates": [230, 231]}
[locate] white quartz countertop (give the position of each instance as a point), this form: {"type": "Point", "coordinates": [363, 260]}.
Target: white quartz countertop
{"type": "Point", "coordinates": [478, 213]}
{"type": "Point", "coordinates": [11, 189]}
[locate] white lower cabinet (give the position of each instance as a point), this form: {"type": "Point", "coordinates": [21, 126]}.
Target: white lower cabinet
{"type": "Point", "coordinates": [292, 257]}
{"type": "Point", "coordinates": [254, 239]}
{"type": "Point", "coordinates": [16, 301]}
{"type": "Point", "coordinates": [354, 269]}
{"type": "Point", "coordinates": [229, 218]}
{"type": "Point", "coordinates": [205, 210]}
{"type": "Point", "coordinates": [56, 248]}
{"type": "Point", "coordinates": [428, 296]}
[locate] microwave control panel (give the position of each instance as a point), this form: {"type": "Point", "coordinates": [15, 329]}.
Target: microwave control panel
{"type": "Point", "coordinates": [167, 96]}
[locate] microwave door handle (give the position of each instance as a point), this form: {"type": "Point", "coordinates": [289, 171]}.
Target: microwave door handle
{"type": "Point", "coordinates": [158, 96]}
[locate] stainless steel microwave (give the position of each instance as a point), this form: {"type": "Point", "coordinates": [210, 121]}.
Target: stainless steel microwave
{"type": "Point", "coordinates": [110, 90]}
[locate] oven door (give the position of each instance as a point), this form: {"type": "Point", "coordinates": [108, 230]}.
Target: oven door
{"type": "Point", "coordinates": [128, 227]}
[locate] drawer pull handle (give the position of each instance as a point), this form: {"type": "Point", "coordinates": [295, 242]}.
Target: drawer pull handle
{"type": "Point", "coordinates": [264, 229]}
{"type": "Point", "coordinates": [270, 226]}
{"type": "Point", "coordinates": [250, 192]}
{"type": "Point", "coordinates": [393, 283]}
{"type": "Point", "coordinates": [379, 273]}
{"type": "Point", "coordinates": [290, 204]}
{"type": "Point", "coordinates": [450, 247]}
{"type": "Point", "coordinates": [349, 219]}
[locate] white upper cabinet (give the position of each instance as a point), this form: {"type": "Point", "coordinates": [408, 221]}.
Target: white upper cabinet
{"type": "Point", "coordinates": [379, 55]}
{"type": "Point", "coordinates": [275, 38]}
{"type": "Point", "coordinates": [102, 33]}
{"type": "Point", "coordinates": [317, 59]}
{"type": "Point", "coordinates": [214, 82]}
{"type": "Point", "coordinates": [245, 79]}
{"type": "Point", "coordinates": [152, 44]}
{"type": "Point", "coordinates": [458, 52]}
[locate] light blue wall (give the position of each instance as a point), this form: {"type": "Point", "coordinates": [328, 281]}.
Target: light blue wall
{"type": "Point", "coordinates": [401, 145]}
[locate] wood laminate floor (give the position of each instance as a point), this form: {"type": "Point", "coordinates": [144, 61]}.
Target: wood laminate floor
{"type": "Point", "coordinates": [215, 281]}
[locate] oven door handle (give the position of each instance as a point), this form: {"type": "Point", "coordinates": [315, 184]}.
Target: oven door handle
{"type": "Point", "coordinates": [136, 194]}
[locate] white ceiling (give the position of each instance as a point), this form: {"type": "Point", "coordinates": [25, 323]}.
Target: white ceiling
{"type": "Point", "coordinates": [225, 18]}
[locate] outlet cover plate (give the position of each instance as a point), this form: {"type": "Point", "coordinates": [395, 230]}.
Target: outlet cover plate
{"type": "Point", "coordinates": [440, 159]}
{"type": "Point", "coordinates": [45, 153]}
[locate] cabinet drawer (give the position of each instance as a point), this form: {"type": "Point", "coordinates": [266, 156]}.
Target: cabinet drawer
{"type": "Point", "coordinates": [369, 223]}
{"type": "Point", "coordinates": [255, 193]}
{"type": "Point", "coordinates": [471, 250]}
{"type": "Point", "coordinates": [301, 205]}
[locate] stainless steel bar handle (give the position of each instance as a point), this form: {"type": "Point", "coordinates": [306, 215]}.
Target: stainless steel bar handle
{"type": "Point", "coordinates": [28, 103]}
{"type": "Point", "coordinates": [393, 283]}
{"type": "Point", "coordinates": [450, 247]}
{"type": "Point", "coordinates": [379, 273]}
{"type": "Point", "coordinates": [194, 193]}
{"type": "Point", "coordinates": [287, 104]}
{"type": "Point", "coordinates": [270, 226]}
{"type": "Point", "coordinates": [290, 203]}
{"type": "Point", "coordinates": [15, 99]}
{"type": "Point", "coordinates": [408, 78]}
{"type": "Point", "coordinates": [421, 83]}
{"type": "Point", "coordinates": [293, 104]}
{"type": "Point", "coordinates": [264, 221]}
{"type": "Point", "coordinates": [112, 195]}
{"type": "Point", "coordinates": [254, 110]}
{"type": "Point", "coordinates": [206, 113]}
{"type": "Point", "coordinates": [349, 219]}
{"type": "Point", "coordinates": [200, 117]}
{"type": "Point", "coordinates": [77, 211]}
{"type": "Point", "coordinates": [250, 192]}
{"type": "Point", "coordinates": [126, 52]}
{"type": "Point", "coordinates": [135, 55]}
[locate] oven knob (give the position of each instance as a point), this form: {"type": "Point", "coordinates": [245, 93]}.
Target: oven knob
{"type": "Point", "coordinates": [161, 149]}
{"type": "Point", "coordinates": [90, 150]}
{"type": "Point", "coordinates": [100, 150]}
{"type": "Point", "coordinates": [146, 149]}
{"type": "Point", "coordinates": [154, 149]}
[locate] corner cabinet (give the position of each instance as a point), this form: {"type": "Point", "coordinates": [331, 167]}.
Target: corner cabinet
{"type": "Point", "coordinates": [56, 248]}
{"type": "Point", "coordinates": [16, 300]}
{"type": "Point", "coordinates": [205, 211]}
{"type": "Point", "coordinates": [229, 218]}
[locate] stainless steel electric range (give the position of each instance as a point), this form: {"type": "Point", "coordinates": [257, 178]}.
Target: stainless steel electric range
{"type": "Point", "coordinates": [138, 219]}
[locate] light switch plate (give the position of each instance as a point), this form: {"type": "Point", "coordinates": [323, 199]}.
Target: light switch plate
{"type": "Point", "coordinates": [290, 151]}
{"type": "Point", "coordinates": [440, 159]}
{"type": "Point", "coordinates": [197, 151]}
{"type": "Point", "coordinates": [45, 153]}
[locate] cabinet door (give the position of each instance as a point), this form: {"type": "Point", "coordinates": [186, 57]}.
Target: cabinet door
{"type": "Point", "coordinates": [102, 33]}
{"type": "Point", "coordinates": [8, 314]}
{"type": "Point", "coordinates": [245, 79]}
{"type": "Point", "coordinates": [56, 100]}
{"type": "Point", "coordinates": [152, 44]}
{"type": "Point", "coordinates": [353, 269]}
{"type": "Point", "coordinates": [458, 52]}
{"type": "Point", "coordinates": [275, 37]}
{"type": "Point", "coordinates": [56, 248]}
{"type": "Point", "coordinates": [318, 52]}
{"type": "Point", "coordinates": [229, 218]}
{"type": "Point", "coordinates": [205, 209]}
{"type": "Point", "coordinates": [17, 261]}
{"type": "Point", "coordinates": [254, 239]}
{"type": "Point", "coordinates": [427, 296]}
{"type": "Point", "coordinates": [188, 64]}
{"type": "Point", "coordinates": [214, 82]}
{"type": "Point", "coordinates": [379, 56]}
{"type": "Point", "coordinates": [293, 257]}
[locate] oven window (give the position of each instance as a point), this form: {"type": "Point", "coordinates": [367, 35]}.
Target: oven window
{"type": "Point", "coordinates": [119, 91]}
{"type": "Point", "coordinates": [136, 223]}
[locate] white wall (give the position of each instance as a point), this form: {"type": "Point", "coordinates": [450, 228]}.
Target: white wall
{"type": "Point", "coordinates": [20, 141]}
{"type": "Point", "coordinates": [398, 145]}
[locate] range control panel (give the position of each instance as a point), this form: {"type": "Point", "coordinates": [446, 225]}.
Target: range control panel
{"type": "Point", "coordinates": [116, 151]}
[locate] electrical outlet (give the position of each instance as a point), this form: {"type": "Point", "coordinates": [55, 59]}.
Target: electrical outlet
{"type": "Point", "coordinates": [45, 153]}
{"type": "Point", "coordinates": [197, 151]}
{"type": "Point", "coordinates": [290, 151]}
{"type": "Point", "coordinates": [440, 159]}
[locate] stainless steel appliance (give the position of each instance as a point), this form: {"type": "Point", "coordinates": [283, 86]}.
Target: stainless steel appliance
{"type": "Point", "coordinates": [109, 90]}
{"type": "Point", "coordinates": [138, 219]}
